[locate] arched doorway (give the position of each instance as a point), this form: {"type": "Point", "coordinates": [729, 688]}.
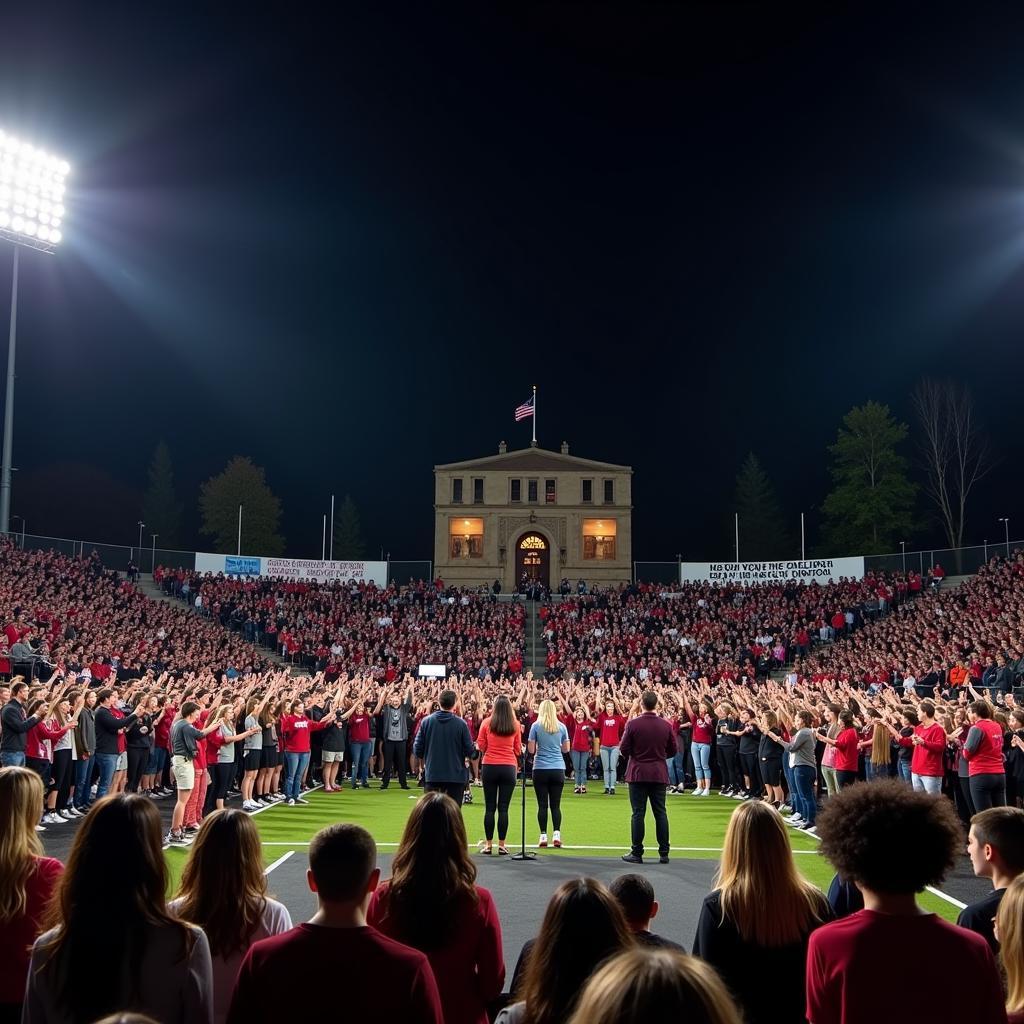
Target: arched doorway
{"type": "Point", "coordinates": [533, 559]}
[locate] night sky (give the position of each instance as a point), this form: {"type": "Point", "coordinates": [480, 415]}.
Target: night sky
{"type": "Point", "coordinates": [348, 248]}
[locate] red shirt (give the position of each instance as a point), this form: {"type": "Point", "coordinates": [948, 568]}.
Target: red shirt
{"type": "Point", "coordinates": [702, 728]}
{"type": "Point", "coordinates": [162, 732]}
{"type": "Point", "coordinates": [380, 979]}
{"type": "Point", "coordinates": [988, 758]}
{"type": "Point", "coordinates": [869, 966]}
{"type": "Point", "coordinates": [18, 934]}
{"type": "Point", "coordinates": [470, 969]}
{"type": "Point", "coordinates": [359, 727]}
{"type": "Point", "coordinates": [581, 739]}
{"type": "Point", "coordinates": [846, 750]}
{"type": "Point", "coordinates": [499, 749]}
{"type": "Point", "coordinates": [927, 756]}
{"type": "Point", "coordinates": [295, 729]}
{"type": "Point", "coordinates": [611, 729]}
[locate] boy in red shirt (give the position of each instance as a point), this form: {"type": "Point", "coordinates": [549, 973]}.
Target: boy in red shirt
{"type": "Point", "coordinates": [380, 978]}
{"type": "Point", "coordinates": [871, 965]}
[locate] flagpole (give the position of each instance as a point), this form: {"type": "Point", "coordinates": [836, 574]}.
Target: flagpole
{"type": "Point", "coordinates": [533, 442]}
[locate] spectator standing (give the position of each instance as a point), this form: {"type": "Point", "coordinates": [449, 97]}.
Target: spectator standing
{"type": "Point", "coordinates": [500, 742]}
{"type": "Point", "coordinates": [890, 945]}
{"type": "Point", "coordinates": [223, 890]}
{"type": "Point", "coordinates": [548, 744]}
{"type": "Point", "coordinates": [379, 979]}
{"type": "Point", "coordinates": [184, 740]}
{"type": "Point", "coordinates": [27, 881]}
{"type": "Point", "coordinates": [648, 742]}
{"type": "Point", "coordinates": [983, 750]}
{"type": "Point", "coordinates": [995, 845]}
{"type": "Point", "coordinates": [14, 726]}
{"type": "Point", "coordinates": [431, 903]}
{"type": "Point", "coordinates": [444, 745]}
{"type": "Point", "coordinates": [395, 736]}
{"type": "Point", "coordinates": [755, 935]}
{"type": "Point", "coordinates": [158, 965]}
{"type": "Point", "coordinates": [111, 723]}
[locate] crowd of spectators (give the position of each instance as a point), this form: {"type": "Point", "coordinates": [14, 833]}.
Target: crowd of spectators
{"type": "Point", "coordinates": [382, 632]}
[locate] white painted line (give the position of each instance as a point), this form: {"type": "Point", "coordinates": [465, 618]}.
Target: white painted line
{"type": "Point", "coordinates": [945, 896]}
{"type": "Point", "coordinates": [280, 860]}
{"type": "Point", "coordinates": [623, 849]}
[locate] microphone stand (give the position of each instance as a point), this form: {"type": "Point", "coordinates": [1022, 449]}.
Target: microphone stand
{"type": "Point", "coordinates": [523, 853]}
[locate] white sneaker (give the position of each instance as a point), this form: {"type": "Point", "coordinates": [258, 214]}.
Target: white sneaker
{"type": "Point", "coordinates": [52, 818]}
{"type": "Point", "coordinates": [40, 828]}
{"type": "Point", "coordinates": [556, 839]}
{"type": "Point", "coordinates": [794, 821]}
{"type": "Point", "coordinates": [543, 840]}
{"type": "Point", "coordinates": [250, 805]}
{"type": "Point", "coordinates": [75, 812]}
{"type": "Point", "coordinates": [291, 802]}
{"type": "Point", "coordinates": [66, 815]}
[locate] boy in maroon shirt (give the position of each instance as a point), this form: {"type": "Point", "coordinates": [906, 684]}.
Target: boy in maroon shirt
{"type": "Point", "coordinates": [892, 842]}
{"type": "Point", "coordinates": [381, 978]}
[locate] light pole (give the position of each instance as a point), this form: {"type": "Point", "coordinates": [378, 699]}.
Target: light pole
{"type": "Point", "coordinates": [141, 524]}
{"type": "Point", "coordinates": [239, 529]}
{"type": "Point", "coordinates": [152, 558]}
{"type": "Point", "coordinates": [903, 548]}
{"type": "Point", "coordinates": [1005, 520]}
{"type": "Point", "coordinates": [737, 536]}
{"type": "Point", "coordinates": [332, 527]}
{"type": "Point", "coordinates": [23, 525]}
{"type": "Point", "coordinates": [31, 211]}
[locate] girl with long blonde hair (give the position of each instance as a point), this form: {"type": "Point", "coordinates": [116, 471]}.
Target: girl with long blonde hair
{"type": "Point", "coordinates": [27, 881]}
{"type": "Point", "coordinates": [548, 743]}
{"type": "Point", "coordinates": [1010, 933]}
{"type": "Point", "coordinates": [223, 890]}
{"type": "Point", "coordinates": [754, 927]}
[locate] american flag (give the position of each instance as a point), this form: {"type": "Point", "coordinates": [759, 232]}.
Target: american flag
{"type": "Point", "coordinates": [525, 410]}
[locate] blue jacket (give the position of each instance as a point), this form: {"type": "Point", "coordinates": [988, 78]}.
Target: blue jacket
{"type": "Point", "coordinates": [444, 743]}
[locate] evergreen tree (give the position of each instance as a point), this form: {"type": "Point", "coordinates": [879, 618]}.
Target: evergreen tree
{"type": "Point", "coordinates": [241, 483]}
{"type": "Point", "coordinates": [870, 508]}
{"type": "Point", "coordinates": [349, 544]}
{"type": "Point", "coordinates": [161, 509]}
{"type": "Point", "coordinates": [763, 534]}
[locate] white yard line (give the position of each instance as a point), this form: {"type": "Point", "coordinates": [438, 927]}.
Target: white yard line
{"type": "Point", "coordinates": [280, 860]}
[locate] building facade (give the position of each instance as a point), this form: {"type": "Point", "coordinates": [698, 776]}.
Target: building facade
{"type": "Point", "coordinates": [534, 513]}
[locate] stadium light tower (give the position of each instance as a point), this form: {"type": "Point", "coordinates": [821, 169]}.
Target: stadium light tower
{"type": "Point", "coordinates": [31, 213]}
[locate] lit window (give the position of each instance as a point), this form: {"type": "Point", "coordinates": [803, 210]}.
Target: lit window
{"type": "Point", "coordinates": [599, 539]}
{"type": "Point", "coordinates": [466, 538]}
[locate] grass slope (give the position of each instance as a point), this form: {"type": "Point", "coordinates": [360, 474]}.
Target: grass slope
{"type": "Point", "coordinates": [593, 825]}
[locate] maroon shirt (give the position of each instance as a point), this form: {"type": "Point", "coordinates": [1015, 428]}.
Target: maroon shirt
{"type": "Point", "coordinates": [648, 742]}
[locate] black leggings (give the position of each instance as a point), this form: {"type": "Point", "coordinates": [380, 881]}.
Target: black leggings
{"type": "Point", "coordinates": [988, 790]}
{"type": "Point", "coordinates": [845, 778]}
{"type": "Point", "coordinates": [547, 784]}
{"type": "Point", "coordinates": [137, 758]}
{"type": "Point", "coordinates": [221, 775]}
{"type": "Point", "coordinates": [63, 776]}
{"type": "Point", "coordinates": [499, 784]}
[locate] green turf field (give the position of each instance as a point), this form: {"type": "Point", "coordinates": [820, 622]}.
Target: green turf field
{"type": "Point", "coordinates": [593, 825]}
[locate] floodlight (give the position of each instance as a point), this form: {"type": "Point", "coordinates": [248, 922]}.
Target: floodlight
{"type": "Point", "coordinates": [32, 181]}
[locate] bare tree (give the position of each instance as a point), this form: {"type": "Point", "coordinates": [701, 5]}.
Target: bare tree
{"type": "Point", "coordinates": [956, 454]}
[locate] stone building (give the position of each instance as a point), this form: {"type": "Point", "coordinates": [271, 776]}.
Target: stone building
{"type": "Point", "coordinates": [532, 512]}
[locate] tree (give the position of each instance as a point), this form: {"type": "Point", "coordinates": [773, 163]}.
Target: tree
{"type": "Point", "coordinates": [241, 483]}
{"type": "Point", "coordinates": [870, 508]}
{"type": "Point", "coordinates": [955, 453]}
{"type": "Point", "coordinates": [349, 544]}
{"type": "Point", "coordinates": [763, 533]}
{"type": "Point", "coordinates": [161, 509]}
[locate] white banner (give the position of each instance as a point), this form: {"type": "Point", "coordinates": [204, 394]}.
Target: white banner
{"type": "Point", "coordinates": [818, 570]}
{"type": "Point", "coordinates": [292, 568]}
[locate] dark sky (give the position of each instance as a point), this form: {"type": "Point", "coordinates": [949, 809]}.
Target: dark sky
{"type": "Point", "coordinates": [347, 248]}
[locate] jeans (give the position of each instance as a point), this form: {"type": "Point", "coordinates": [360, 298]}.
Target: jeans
{"type": "Point", "coordinates": [639, 794]}
{"type": "Point", "coordinates": [12, 759]}
{"type": "Point", "coordinates": [157, 760]}
{"type": "Point", "coordinates": [360, 754]}
{"type": "Point", "coordinates": [845, 778]}
{"type": "Point", "coordinates": [579, 766]}
{"type": "Point", "coordinates": [83, 773]}
{"type": "Point", "coordinates": [803, 791]}
{"type": "Point", "coordinates": [929, 783]}
{"type": "Point", "coordinates": [610, 764]}
{"type": "Point", "coordinates": [295, 768]}
{"type": "Point", "coordinates": [107, 764]}
{"type": "Point", "coordinates": [676, 770]}
{"type": "Point", "coordinates": [702, 760]}
{"type": "Point", "coordinates": [903, 769]}
{"type": "Point", "coordinates": [874, 771]}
